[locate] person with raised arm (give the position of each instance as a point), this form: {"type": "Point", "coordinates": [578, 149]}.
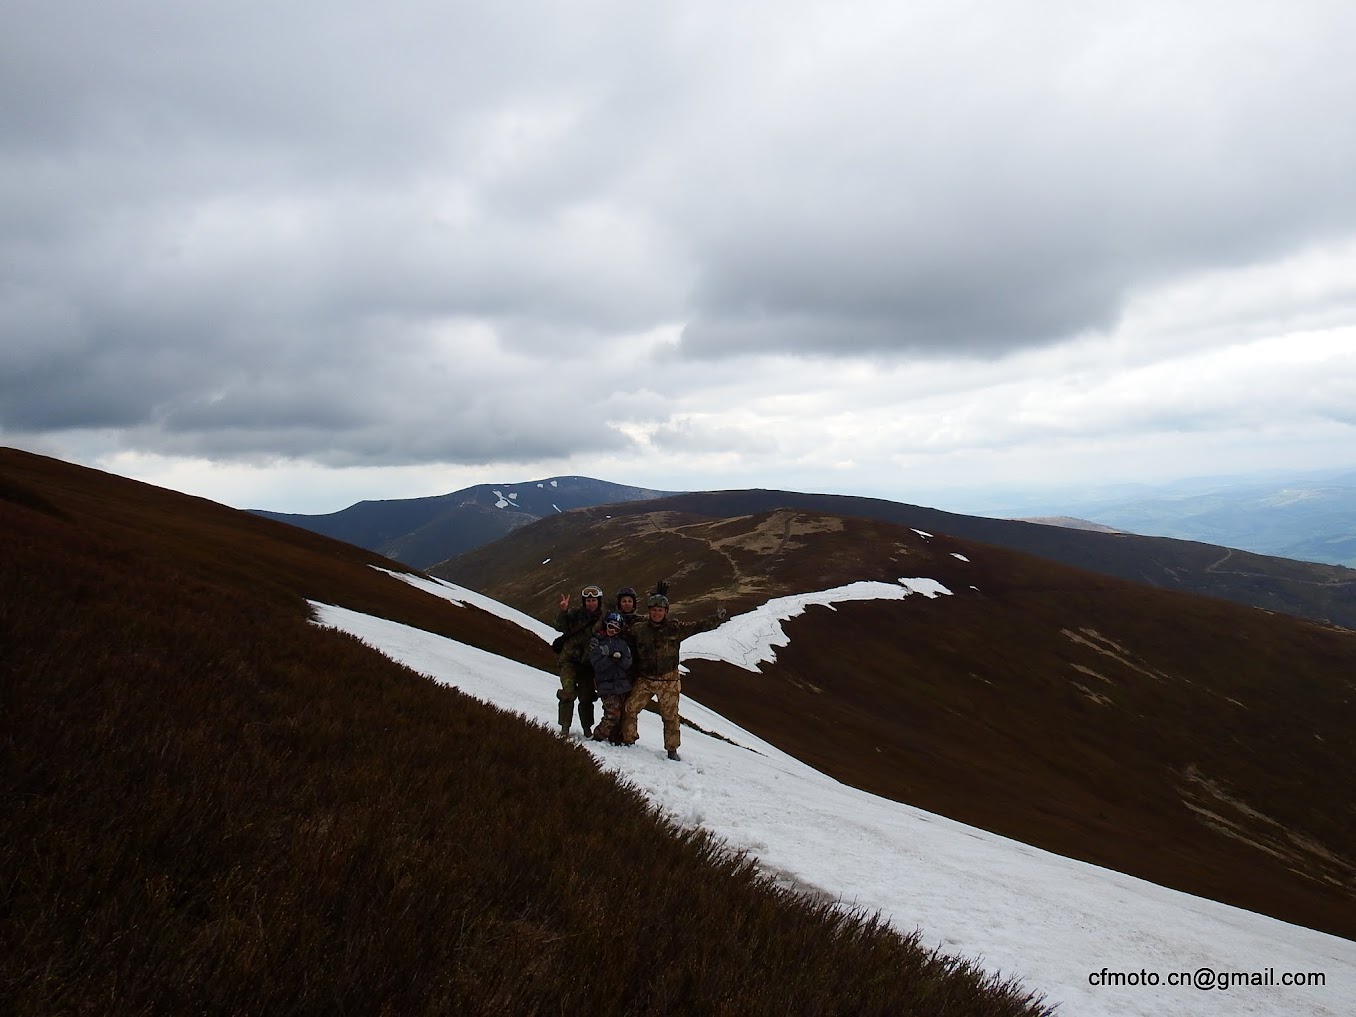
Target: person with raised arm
{"type": "Point", "coordinates": [654, 651]}
{"type": "Point", "coordinates": [577, 625]}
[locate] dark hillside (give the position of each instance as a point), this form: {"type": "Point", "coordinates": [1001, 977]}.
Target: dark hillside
{"type": "Point", "coordinates": [279, 565]}
{"type": "Point", "coordinates": [210, 805]}
{"type": "Point", "coordinates": [1325, 593]}
{"type": "Point", "coordinates": [1180, 738]}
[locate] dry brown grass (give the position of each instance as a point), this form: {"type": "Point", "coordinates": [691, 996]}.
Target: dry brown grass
{"type": "Point", "coordinates": [212, 806]}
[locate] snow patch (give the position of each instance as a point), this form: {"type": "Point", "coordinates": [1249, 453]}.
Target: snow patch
{"type": "Point", "coordinates": [1049, 920]}
{"type": "Point", "coordinates": [922, 533]}
{"type": "Point", "coordinates": [747, 640]}
{"type": "Point", "coordinates": [459, 596]}
{"type": "Point", "coordinates": [554, 484]}
{"type": "Point", "coordinates": [959, 557]}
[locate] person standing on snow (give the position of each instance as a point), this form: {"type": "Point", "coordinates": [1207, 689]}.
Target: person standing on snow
{"type": "Point", "coordinates": [654, 649]}
{"type": "Point", "coordinates": [576, 674]}
{"type": "Point", "coordinates": [610, 655]}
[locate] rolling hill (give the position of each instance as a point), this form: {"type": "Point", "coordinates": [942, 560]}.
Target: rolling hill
{"type": "Point", "coordinates": [213, 805]}
{"type": "Point", "coordinates": [423, 531]}
{"type": "Point", "coordinates": [1180, 738]}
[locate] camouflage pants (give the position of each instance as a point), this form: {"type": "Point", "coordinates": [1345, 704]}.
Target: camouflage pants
{"type": "Point", "coordinates": [612, 715]}
{"type": "Point", "coordinates": [668, 687]}
{"type": "Point", "coordinates": [576, 682]}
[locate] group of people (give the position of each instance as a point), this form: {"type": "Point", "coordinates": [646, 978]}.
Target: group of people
{"type": "Point", "coordinates": [624, 657]}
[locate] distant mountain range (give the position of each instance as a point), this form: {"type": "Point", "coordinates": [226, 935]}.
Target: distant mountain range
{"type": "Point", "coordinates": [1306, 523]}
{"type": "Point", "coordinates": [424, 531]}
{"type": "Point", "coordinates": [1305, 516]}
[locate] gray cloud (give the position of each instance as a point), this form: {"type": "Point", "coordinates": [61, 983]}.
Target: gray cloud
{"type": "Point", "coordinates": [425, 232]}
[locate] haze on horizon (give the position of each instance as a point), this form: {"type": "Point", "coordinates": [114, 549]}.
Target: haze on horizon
{"type": "Point", "coordinates": [293, 258]}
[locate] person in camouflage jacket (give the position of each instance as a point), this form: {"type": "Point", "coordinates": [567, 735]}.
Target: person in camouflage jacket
{"type": "Point", "coordinates": [610, 655]}
{"type": "Point", "coordinates": [576, 673]}
{"type": "Point", "coordinates": [625, 605]}
{"type": "Point", "coordinates": [654, 654]}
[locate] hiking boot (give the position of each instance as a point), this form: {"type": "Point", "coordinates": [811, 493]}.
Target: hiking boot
{"type": "Point", "coordinates": [564, 730]}
{"type": "Point", "coordinates": [673, 754]}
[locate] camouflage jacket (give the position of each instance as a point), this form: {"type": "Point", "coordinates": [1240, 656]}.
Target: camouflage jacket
{"type": "Point", "coordinates": [578, 626]}
{"type": "Point", "coordinates": [654, 648]}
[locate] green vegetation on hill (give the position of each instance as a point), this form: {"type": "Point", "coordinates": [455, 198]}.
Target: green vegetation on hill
{"type": "Point", "coordinates": [212, 805]}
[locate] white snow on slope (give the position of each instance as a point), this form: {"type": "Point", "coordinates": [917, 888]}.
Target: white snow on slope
{"type": "Point", "coordinates": [1054, 922]}
{"type": "Point", "coordinates": [747, 640]}
{"type": "Point", "coordinates": [460, 596]}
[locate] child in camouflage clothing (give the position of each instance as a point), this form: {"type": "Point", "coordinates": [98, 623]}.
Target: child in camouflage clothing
{"type": "Point", "coordinates": [610, 656]}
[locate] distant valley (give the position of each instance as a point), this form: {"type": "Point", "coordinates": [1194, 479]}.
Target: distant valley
{"type": "Point", "coordinates": [1307, 516]}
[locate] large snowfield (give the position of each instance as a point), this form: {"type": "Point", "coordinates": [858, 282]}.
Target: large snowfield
{"type": "Point", "coordinates": [1086, 937]}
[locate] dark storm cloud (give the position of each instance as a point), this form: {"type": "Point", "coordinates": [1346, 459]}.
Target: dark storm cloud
{"type": "Point", "coordinates": [361, 235]}
{"type": "Point", "coordinates": [985, 207]}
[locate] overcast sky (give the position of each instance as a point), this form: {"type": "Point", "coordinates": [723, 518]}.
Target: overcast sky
{"type": "Point", "coordinates": [295, 255]}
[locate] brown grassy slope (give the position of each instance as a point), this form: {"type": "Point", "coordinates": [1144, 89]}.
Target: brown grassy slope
{"type": "Point", "coordinates": [1199, 744]}
{"type": "Point", "coordinates": [223, 547]}
{"type": "Point", "coordinates": [209, 805]}
{"type": "Point", "coordinates": [1324, 593]}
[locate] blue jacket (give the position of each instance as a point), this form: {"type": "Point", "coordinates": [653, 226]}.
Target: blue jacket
{"type": "Point", "coordinates": [610, 675]}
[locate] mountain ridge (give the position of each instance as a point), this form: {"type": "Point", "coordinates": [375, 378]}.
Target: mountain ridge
{"type": "Point", "coordinates": [423, 531]}
{"type": "Point", "coordinates": [1141, 729]}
